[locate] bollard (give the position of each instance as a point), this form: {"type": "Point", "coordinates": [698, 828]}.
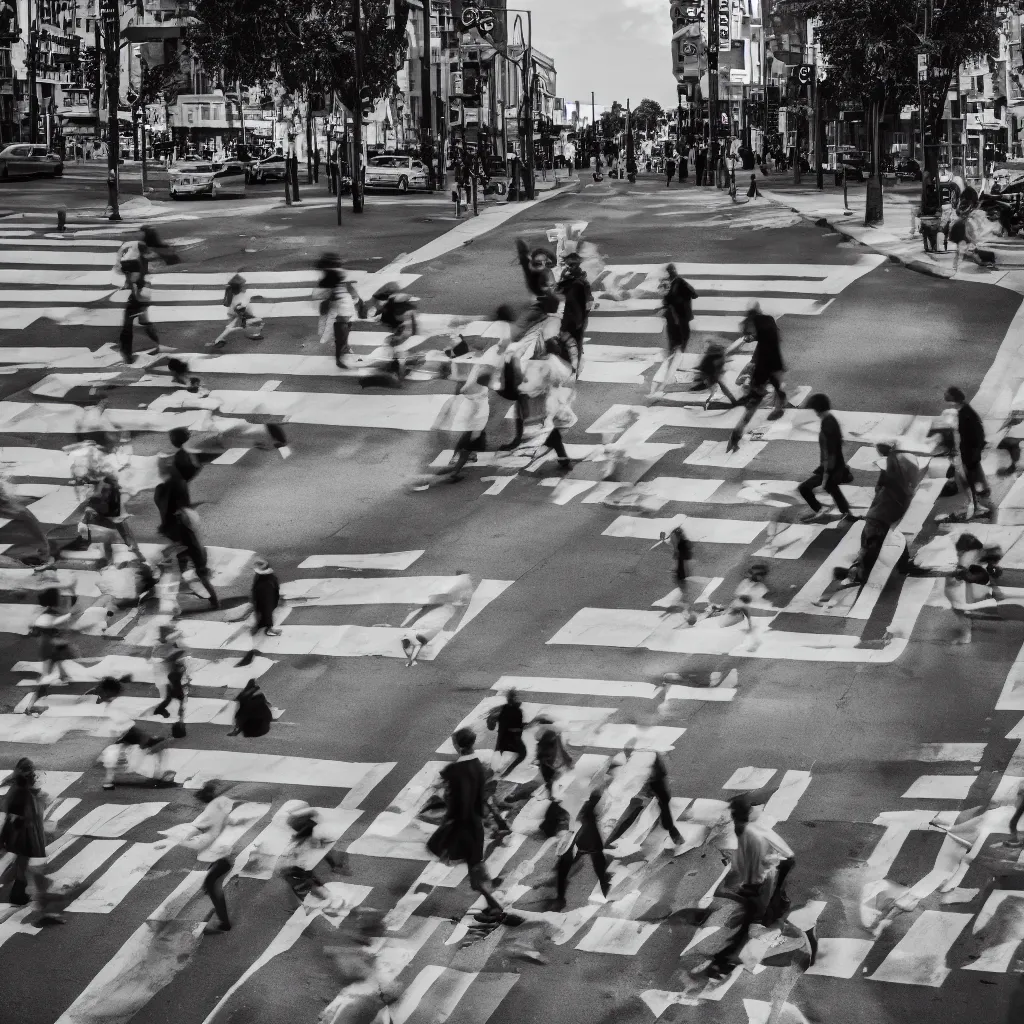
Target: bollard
{"type": "Point", "coordinates": [62, 217]}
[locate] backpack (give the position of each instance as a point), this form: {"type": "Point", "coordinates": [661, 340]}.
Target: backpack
{"type": "Point", "coordinates": [255, 715]}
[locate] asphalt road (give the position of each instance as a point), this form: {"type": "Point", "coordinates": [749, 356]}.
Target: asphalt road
{"type": "Point", "coordinates": [848, 738]}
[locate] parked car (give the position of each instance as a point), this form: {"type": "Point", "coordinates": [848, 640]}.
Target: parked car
{"type": "Point", "coordinates": [21, 161]}
{"type": "Point", "coordinates": [270, 168]}
{"type": "Point", "coordinates": [907, 170]}
{"type": "Point", "coordinates": [219, 181]}
{"type": "Point", "coordinates": [400, 172]}
{"type": "Point", "coordinates": [855, 162]}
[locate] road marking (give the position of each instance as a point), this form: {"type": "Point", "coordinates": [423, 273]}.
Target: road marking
{"type": "Point", "coordinates": [941, 787]}
{"type": "Point", "coordinates": [395, 561]}
{"type": "Point", "coordinates": [77, 870]}
{"type": "Point", "coordinates": [919, 958]}
{"type": "Point", "coordinates": [111, 888]}
{"type": "Point", "coordinates": [708, 531]}
{"type": "Point", "coordinates": [840, 958]}
{"type": "Point", "coordinates": [588, 687]}
{"type": "Point", "coordinates": [614, 935]}
{"type": "Point", "coordinates": [1001, 919]}
{"type": "Point", "coordinates": [936, 752]}
{"type": "Point", "coordinates": [112, 821]}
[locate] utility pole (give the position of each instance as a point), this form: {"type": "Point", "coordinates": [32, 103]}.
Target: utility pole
{"type": "Point", "coordinates": [593, 128]}
{"type": "Point", "coordinates": [357, 114]}
{"type": "Point", "coordinates": [427, 79]}
{"type": "Point", "coordinates": [111, 11]}
{"type": "Point", "coordinates": [711, 167]}
{"type": "Point", "coordinates": [528, 81]}
{"type": "Point", "coordinates": [33, 57]}
{"type": "Point", "coordinates": [931, 202]}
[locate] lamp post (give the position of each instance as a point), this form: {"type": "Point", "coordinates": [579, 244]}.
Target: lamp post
{"type": "Point", "coordinates": [427, 119]}
{"type": "Point", "coordinates": [357, 114]}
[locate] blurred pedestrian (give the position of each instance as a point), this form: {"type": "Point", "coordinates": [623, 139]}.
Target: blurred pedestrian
{"type": "Point", "coordinates": [213, 847]}
{"type": "Point", "coordinates": [460, 837]}
{"type": "Point", "coordinates": [970, 446]}
{"type": "Point", "coordinates": [832, 469]}
{"type": "Point", "coordinates": [508, 720]}
{"type": "Point", "coordinates": [677, 308]}
{"type": "Point", "coordinates": [172, 653]}
{"type": "Point", "coordinates": [22, 834]}
{"type": "Point", "coordinates": [587, 842]}
{"type": "Point", "coordinates": [766, 369]}
{"type": "Point", "coordinates": [442, 609]}
{"type": "Point", "coordinates": [240, 313]}
{"type": "Point", "coordinates": [574, 287]}
{"type": "Point", "coordinates": [253, 713]}
{"type": "Point", "coordinates": [670, 171]}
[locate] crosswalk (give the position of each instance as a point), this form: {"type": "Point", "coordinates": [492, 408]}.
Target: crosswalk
{"type": "Point", "coordinates": [110, 844]}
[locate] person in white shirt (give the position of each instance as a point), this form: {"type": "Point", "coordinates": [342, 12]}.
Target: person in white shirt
{"type": "Point", "coordinates": [442, 609]}
{"type": "Point", "coordinates": [214, 848]}
{"type": "Point", "coordinates": [131, 749]}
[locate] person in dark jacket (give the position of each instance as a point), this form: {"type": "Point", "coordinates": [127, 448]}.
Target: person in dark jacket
{"type": "Point", "coordinates": [893, 493]}
{"type": "Point", "coordinates": [185, 462]}
{"type": "Point", "coordinates": [266, 596]}
{"type": "Point", "coordinates": [587, 841]}
{"type": "Point", "coordinates": [766, 368]}
{"type": "Point", "coordinates": [970, 446]}
{"type": "Point", "coordinates": [508, 720]}
{"type": "Point", "coordinates": [540, 281]}
{"type": "Point", "coordinates": [460, 837]}
{"type": "Point", "coordinates": [832, 469]}
{"type": "Point", "coordinates": [22, 834]}
{"type": "Point", "coordinates": [180, 525]}
{"type": "Point", "coordinates": [677, 307]}
{"type": "Point", "coordinates": [253, 713]}
{"type": "Point", "coordinates": [574, 287]}
{"type": "Point", "coordinates": [657, 786]}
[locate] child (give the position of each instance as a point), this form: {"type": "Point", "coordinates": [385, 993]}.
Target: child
{"type": "Point", "coordinates": [709, 373]}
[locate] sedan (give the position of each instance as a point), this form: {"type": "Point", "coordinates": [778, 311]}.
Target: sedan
{"type": "Point", "coordinates": [400, 172]}
{"type": "Point", "coordinates": [219, 181]}
{"type": "Point", "coordinates": [26, 161]}
{"type": "Point", "coordinates": [271, 168]}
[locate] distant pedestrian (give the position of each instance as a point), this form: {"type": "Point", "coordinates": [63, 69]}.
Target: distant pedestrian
{"type": "Point", "coordinates": [339, 302]}
{"type": "Point", "coordinates": [552, 757]}
{"type": "Point", "coordinates": [316, 165]}
{"type": "Point", "coordinates": [240, 313]}
{"type": "Point", "coordinates": [507, 719]}
{"type": "Point", "coordinates": [266, 596]}
{"type": "Point", "coordinates": [832, 469]}
{"type": "Point", "coordinates": [460, 836]}
{"type": "Point", "coordinates": [574, 287]}
{"type": "Point", "coordinates": [657, 787]}
{"type": "Point", "coordinates": [670, 171]}
{"type": "Point", "coordinates": [208, 839]}
{"type": "Point", "coordinates": [677, 308]}
{"type": "Point", "coordinates": [172, 654]}
{"type": "Point", "coordinates": [22, 834]}
{"type": "Point", "coordinates": [970, 446]}
{"type": "Point", "coordinates": [710, 371]}
{"type": "Point", "coordinates": [440, 610]}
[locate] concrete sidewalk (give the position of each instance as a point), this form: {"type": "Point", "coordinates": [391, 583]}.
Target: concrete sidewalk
{"type": "Point", "coordinates": [897, 237]}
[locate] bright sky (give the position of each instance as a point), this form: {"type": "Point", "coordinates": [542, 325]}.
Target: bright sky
{"type": "Point", "coordinates": [618, 48]}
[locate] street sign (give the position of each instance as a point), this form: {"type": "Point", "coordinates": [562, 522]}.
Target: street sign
{"type": "Point", "coordinates": [689, 49]}
{"type": "Point", "coordinates": [922, 66]}
{"type": "Point", "coordinates": [804, 73]}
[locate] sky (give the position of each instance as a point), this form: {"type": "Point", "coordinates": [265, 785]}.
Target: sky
{"type": "Point", "coordinates": [620, 49]}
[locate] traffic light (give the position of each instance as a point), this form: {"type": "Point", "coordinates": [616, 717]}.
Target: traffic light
{"type": "Point", "coordinates": [366, 102]}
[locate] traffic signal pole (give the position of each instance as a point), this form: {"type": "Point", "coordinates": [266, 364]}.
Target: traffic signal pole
{"type": "Point", "coordinates": [427, 129]}
{"type": "Point", "coordinates": [711, 167]}
{"type": "Point", "coordinates": [357, 114]}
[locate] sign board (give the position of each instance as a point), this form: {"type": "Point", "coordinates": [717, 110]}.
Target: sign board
{"type": "Point", "coordinates": [724, 27]}
{"type": "Point", "coordinates": [689, 49]}
{"type": "Point", "coordinates": [512, 131]}
{"type": "Point", "coordinates": [922, 66]}
{"type": "Point", "coordinates": [471, 115]}
{"type": "Point", "coordinates": [455, 84]}
{"type": "Point", "coordinates": [804, 74]}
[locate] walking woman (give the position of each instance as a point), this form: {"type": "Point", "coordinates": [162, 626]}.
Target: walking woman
{"type": "Point", "coordinates": [677, 307]}
{"type": "Point", "coordinates": [22, 835]}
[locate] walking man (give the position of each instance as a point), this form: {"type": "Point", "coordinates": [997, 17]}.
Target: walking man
{"type": "Point", "coordinates": [508, 720]}
{"type": "Point", "coordinates": [832, 469]}
{"type": "Point", "coordinates": [677, 307]}
{"type": "Point", "coordinates": [460, 837]}
{"type": "Point", "coordinates": [970, 445]}
{"type": "Point", "coordinates": [767, 368]}
{"type": "Point", "coordinates": [574, 286]}
{"type": "Point", "coordinates": [657, 787]}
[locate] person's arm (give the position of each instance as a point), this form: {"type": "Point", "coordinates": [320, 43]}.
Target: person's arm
{"type": "Point", "coordinates": [833, 444]}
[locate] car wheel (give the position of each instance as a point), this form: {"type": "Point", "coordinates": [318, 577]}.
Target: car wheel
{"type": "Point", "coordinates": [403, 184]}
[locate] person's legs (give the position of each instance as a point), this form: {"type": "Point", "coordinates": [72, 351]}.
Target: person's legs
{"type": "Point", "coordinates": [751, 402]}
{"type": "Point", "coordinates": [520, 753]}
{"type": "Point", "coordinates": [548, 774]}
{"type": "Point", "coordinates": [19, 896]}
{"type": "Point", "coordinates": [806, 490]}
{"type": "Point", "coordinates": [1015, 820]}
{"type": "Point", "coordinates": [836, 494]}
{"type": "Point", "coordinates": [214, 888]}
{"type": "Point", "coordinates": [977, 488]}
{"type": "Point", "coordinates": [780, 397]}
{"type": "Point", "coordinates": [554, 441]}
{"type": "Point", "coordinates": [1010, 445]}
{"type": "Point", "coordinates": [600, 862]}
{"type": "Point", "coordinates": [480, 881]}
{"type": "Point", "coordinates": [562, 869]}
{"type": "Point", "coordinates": [28, 519]}
{"type": "Point", "coordinates": [342, 327]}
{"type": "Point", "coordinates": [145, 322]}
{"type": "Point", "coordinates": [660, 792]}
{"type": "Point", "coordinates": [125, 337]}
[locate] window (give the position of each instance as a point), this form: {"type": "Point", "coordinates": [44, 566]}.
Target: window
{"type": "Point", "coordinates": [204, 112]}
{"type": "Point", "coordinates": [39, 151]}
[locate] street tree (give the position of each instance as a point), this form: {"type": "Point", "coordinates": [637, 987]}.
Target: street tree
{"type": "Point", "coordinates": [871, 49]}
{"type": "Point", "coordinates": [613, 123]}
{"type": "Point", "coordinates": [647, 113]}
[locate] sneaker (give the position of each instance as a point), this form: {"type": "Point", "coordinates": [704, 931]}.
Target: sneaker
{"type": "Point", "coordinates": [216, 927]}
{"type": "Point", "coordinates": [565, 465]}
{"type": "Point", "coordinates": [406, 646]}
{"type": "Point", "coordinates": [108, 785]}
{"type": "Point", "coordinates": [162, 712]}
{"type": "Point", "coordinates": [775, 414]}
{"type": "Point", "coordinates": [733, 445]}
{"type": "Point", "coordinates": [1016, 843]}
{"type": "Point", "coordinates": [273, 632]}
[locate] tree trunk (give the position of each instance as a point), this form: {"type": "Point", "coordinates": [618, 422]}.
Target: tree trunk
{"type": "Point", "coordinates": [873, 211]}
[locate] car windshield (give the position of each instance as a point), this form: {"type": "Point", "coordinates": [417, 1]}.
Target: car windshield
{"type": "Point", "coordinates": [389, 161]}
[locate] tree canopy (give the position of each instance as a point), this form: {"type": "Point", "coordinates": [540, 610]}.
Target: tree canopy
{"type": "Point", "coordinates": [647, 112]}
{"type": "Point", "coordinates": [303, 44]}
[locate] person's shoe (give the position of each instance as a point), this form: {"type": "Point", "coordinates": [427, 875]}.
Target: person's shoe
{"type": "Point", "coordinates": [273, 632]}
{"type": "Point", "coordinates": [19, 895]}
{"type": "Point", "coordinates": [775, 414]}
{"type": "Point", "coordinates": [52, 918]}
{"type": "Point", "coordinates": [214, 602]}
{"type": "Point", "coordinates": [246, 659]}
{"type": "Point", "coordinates": [216, 927]}
{"type": "Point", "coordinates": [733, 445]}
{"type": "Point", "coordinates": [1015, 843]}
{"type": "Point", "coordinates": [813, 516]}
{"type": "Point", "coordinates": [454, 478]}
{"type": "Point", "coordinates": [1006, 470]}
{"type": "Point", "coordinates": [108, 785]}
{"type": "Point", "coordinates": [565, 465]}
{"type": "Point", "coordinates": [162, 712]}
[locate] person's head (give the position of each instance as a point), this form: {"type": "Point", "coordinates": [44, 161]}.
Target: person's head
{"type": "Point", "coordinates": [178, 436]}
{"type": "Point", "coordinates": [208, 791]}
{"type": "Point", "coordinates": [819, 403]}
{"type": "Point", "coordinates": [671, 271]}
{"type": "Point", "coordinates": [955, 396]}
{"type": "Point", "coordinates": [572, 260]}
{"type": "Point", "coordinates": [968, 542]}
{"type": "Point", "coordinates": [743, 811]}
{"type": "Point", "coordinates": [484, 380]}
{"type": "Point", "coordinates": [505, 314]}
{"type": "Point", "coordinates": [757, 572]}
{"type": "Point", "coordinates": [24, 773]}
{"type": "Point", "coordinates": [540, 259]}
{"type": "Point", "coordinates": [194, 384]}
{"type": "Point", "coordinates": [512, 697]}
{"type": "Point", "coordinates": [178, 368]}
{"type": "Point", "coordinates": [262, 567]}
{"type": "Point", "coordinates": [108, 689]}
{"type": "Point", "coordinates": [464, 740]}
{"type": "Point", "coordinates": [50, 597]}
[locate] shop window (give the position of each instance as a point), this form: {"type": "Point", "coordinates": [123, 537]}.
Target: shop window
{"type": "Point", "coordinates": [204, 112]}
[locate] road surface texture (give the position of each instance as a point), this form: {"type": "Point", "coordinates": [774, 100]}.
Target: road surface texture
{"type": "Point", "coordinates": [869, 722]}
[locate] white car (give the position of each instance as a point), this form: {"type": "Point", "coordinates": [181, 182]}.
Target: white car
{"type": "Point", "coordinates": [219, 181]}
{"type": "Point", "coordinates": [400, 172]}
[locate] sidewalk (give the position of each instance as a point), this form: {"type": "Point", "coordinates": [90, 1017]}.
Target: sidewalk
{"type": "Point", "coordinates": [896, 237]}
